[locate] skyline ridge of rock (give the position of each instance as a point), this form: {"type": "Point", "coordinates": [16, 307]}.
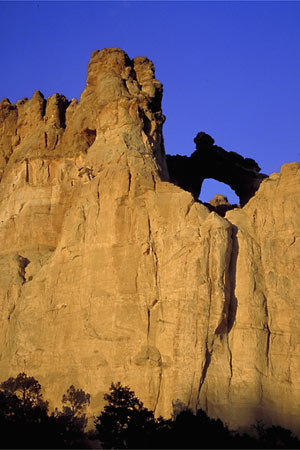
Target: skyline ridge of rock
{"type": "Point", "coordinates": [110, 272]}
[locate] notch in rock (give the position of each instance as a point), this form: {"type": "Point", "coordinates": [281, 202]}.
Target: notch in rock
{"type": "Point", "coordinates": [89, 135]}
{"type": "Point", "coordinates": [22, 263]}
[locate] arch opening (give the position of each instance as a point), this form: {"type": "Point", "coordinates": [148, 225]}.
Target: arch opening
{"type": "Point", "coordinates": [211, 187]}
{"type": "Point", "coordinates": [210, 161]}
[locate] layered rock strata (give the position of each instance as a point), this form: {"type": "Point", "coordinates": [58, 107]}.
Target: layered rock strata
{"type": "Point", "coordinates": [109, 272]}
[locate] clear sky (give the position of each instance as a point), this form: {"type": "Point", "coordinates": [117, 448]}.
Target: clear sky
{"type": "Point", "coordinates": [229, 68]}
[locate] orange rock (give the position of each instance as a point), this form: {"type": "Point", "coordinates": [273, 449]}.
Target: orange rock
{"type": "Point", "coordinates": [111, 273]}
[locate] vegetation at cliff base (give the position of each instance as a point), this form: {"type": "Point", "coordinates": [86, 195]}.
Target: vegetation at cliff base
{"type": "Point", "coordinates": [124, 423]}
{"type": "Point", "coordinates": [25, 421]}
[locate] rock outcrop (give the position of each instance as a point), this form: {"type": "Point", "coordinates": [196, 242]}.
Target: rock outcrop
{"type": "Point", "coordinates": [109, 272]}
{"type": "Point", "coordinates": [211, 161]}
{"type": "Point", "coordinates": [220, 205]}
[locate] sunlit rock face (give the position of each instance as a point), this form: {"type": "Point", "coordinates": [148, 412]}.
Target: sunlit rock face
{"type": "Point", "coordinates": [220, 205]}
{"type": "Point", "coordinates": [109, 272]}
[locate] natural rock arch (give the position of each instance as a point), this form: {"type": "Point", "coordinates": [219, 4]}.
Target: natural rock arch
{"type": "Point", "coordinates": [210, 161]}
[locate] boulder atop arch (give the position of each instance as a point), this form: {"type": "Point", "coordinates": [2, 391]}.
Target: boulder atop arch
{"type": "Point", "coordinates": [211, 161]}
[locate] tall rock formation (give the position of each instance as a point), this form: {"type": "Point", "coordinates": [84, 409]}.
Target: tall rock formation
{"type": "Point", "coordinates": [109, 272]}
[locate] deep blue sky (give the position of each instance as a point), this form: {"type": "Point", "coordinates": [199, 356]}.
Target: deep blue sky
{"type": "Point", "coordinates": [229, 68]}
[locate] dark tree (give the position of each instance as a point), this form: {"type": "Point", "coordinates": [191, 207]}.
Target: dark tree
{"type": "Point", "coordinates": [275, 437]}
{"type": "Point", "coordinates": [27, 389]}
{"type": "Point", "coordinates": [125, 422]}
{"type": "Point", "coordinates": [75, 401]}
{"type": "Point", "coordinates": [23, 413]}
{"type": "Point", "coordinates": [71, 421]}
{"type": "Point", "coordinates": [10, 406]}
{"type": "Point", "coordinates": [198, 430]}
{"type": "Point", "coordinates": [24, 419]}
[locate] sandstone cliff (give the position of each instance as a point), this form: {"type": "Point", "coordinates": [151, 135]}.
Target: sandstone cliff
{"type": "Point", "coordinates": [109, 272]}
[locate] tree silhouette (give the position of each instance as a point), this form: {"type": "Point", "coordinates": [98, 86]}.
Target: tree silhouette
{"type": "Point", "coordinates": [75, 401]}
{"type": "Point", "coordinates": [275, 437]}
{"type": "Point", "coordinates": [27, 389]}
{"type": "Point", "coordinates": [25, 422]}
{"type": "Point", "coordinates": [125, 422]}
{"type": "Point", "coordinates": [71, 421]}
{"type": "Point", "coordinates": [23, 413]}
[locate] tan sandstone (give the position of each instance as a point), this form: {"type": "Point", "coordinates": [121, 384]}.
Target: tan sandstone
{"type": "Point", "coordinates": [111, 273]}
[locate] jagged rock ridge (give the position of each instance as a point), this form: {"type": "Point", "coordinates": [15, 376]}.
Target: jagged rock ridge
{"type": "Point", "coordinates": [109, 272]}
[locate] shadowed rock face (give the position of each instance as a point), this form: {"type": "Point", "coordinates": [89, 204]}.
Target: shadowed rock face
{"type": "Point", "coordinates": [211, 161]}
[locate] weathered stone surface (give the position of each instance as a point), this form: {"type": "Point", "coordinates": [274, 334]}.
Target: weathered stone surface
{"type": "Point", "coordinates": [267, 293]}
{"type": "Point", "coordinates": [220, 205]}
{"type": "Point", "coordinates": [109, 272]}
{"type": "Point", "coordinates": [8, 120]}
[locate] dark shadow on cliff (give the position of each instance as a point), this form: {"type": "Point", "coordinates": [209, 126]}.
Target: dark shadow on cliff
{"type": "Point", "coordinates": [231, 302]}
{"type": "Point", "coordinates": [232, 270]}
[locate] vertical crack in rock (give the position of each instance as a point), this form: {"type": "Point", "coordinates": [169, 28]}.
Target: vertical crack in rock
{"type": "Point", "coordinates": [154, 181]}
{"type": "Point", "coordinates": [232, 301]}
{"type": "Point", "coordinates": [128, 166]}
{"type": "Point", "coordinates": [148, 323]}
{"type": "Point", "coordinates": [129, 181]}
{"type": "Point", "coordinates": [208, 352]}
{"type": "Point", "coordinates": [230, 359]}
{"type": "Point", "coordinates": [152, 247]}
{"type": "Point", "coordinates": [220, 280]}
{"type": "Point", "coordinates": [83, 213]}
{"type": "Point", "coordinates": [266, 325]}
{"type": "Point", "coordinates": [155, 258]}
{"type": "Point", "coordinates": [98, 199]}
{"type": "Point", "coordinates": [81, 227]}
{"type": "Point", "coordinates": [11, 310]}
{"type": "Point", "coordinates": [268, 345]}
{"type": "Point", "coordinates": [159, 389]}
{"type": "Point", "coordinates": [207, 361]}
{"type": "Point", "coordinates": [56, 141]}
{"type": "Point", "coordinates": [26, 171]}
{"type": "Point", "coordinates": [268, 331]}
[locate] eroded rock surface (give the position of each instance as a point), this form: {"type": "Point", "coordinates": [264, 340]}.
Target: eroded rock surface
{"type": "Point", "coordinates": [211, 161]}
{"type": "Point", "coordinates": [111, 273]}
{"type": "Point", "coordinates": [220, 205]}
